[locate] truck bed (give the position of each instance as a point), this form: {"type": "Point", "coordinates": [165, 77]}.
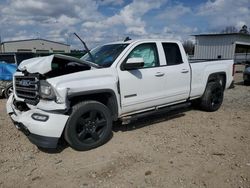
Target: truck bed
{"type": "Point", "coordinates": [201, 69]}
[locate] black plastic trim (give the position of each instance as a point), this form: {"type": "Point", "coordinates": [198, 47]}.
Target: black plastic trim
{"type": "Point", "coordinates": [132, 95]}
{"type": "Point", "coordinates": [40, 141]}
{"type": "Point", "coordinates": [38, 114]}
{"type": "Point", "coordinates": [160, 110]}
{"type": "Point", "coordinates": [43, 141]}
{"type": "Point", "coordinates": [215, 76]}
{"type": "Point", "coordinates": [99, 91]}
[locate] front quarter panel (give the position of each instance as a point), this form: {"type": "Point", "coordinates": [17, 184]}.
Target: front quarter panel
{"type": "Point", "coordinates": [86, 81]}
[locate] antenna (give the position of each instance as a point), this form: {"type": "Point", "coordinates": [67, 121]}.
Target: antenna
{"type": "Point", "coordinates": [86, 48]}
{"type": "Point", "coordinates": [127, 39]}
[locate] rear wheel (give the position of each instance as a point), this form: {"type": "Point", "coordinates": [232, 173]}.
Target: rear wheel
{"type": "Point", "coordinates": [212, 97]}
{"type": "Point", "coordinates": [8, 91]}
{"type": "Point", "coordinates": [89, 125]}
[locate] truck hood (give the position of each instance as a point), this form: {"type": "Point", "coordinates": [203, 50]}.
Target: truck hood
{"type": "Point", "coordinates": [54, 62]}
{"type": "Point", "coordinates": [39, 64]}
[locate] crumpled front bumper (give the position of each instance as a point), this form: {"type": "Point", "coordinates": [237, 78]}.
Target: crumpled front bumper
{"type": "Point", "coordinates": [41, 132]}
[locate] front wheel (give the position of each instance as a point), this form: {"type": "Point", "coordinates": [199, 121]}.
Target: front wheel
{"type": "Point", "coordinates": [212, 97]}
{"type": "Point", "coordinates": [89, 125]}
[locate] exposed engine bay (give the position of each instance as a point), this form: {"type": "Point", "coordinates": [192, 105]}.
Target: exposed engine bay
{"type": "Point", "coordinates": [55, 65]}
{"type": "Point", "coordinates": [61, 67]}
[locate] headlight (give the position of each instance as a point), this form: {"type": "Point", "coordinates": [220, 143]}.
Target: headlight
{"type": "Point", "coordinates": [46, 90]}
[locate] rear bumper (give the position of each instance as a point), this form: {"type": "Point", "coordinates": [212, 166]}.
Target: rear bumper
{"type": "Point", "coordinates": [43, 133]}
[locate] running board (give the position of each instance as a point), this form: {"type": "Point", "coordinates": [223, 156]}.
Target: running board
{"type": "Point", "coordinates": [128, 119]}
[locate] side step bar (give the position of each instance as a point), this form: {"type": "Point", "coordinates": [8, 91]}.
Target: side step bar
{"type": "Point", "coordinates": [128, 119]}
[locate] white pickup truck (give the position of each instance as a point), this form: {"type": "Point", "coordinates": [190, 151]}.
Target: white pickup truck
{"type": "Point", "coordinates": [79, 99]}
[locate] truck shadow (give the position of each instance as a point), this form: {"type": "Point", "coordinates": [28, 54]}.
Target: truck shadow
{"type": "Point", "coordinates": [240, 83]}
{"type": "Point", "coordinates": [133, 125]}
{"type": "Point", "coordinates": [61, 146]}
{"type": "Point", "coordinates": [149, 120]}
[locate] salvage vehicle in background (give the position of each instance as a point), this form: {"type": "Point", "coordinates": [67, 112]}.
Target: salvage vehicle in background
{"type": "Point", "coordinates": [6, 73]}
{"type": "Point", "coordinates": [8, 65]}
{"type": "Point", "coordinates": [78, 99]}
{"type": "Point", "coordinates": [246, 75]}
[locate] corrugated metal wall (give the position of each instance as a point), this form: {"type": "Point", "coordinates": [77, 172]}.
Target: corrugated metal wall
{"type": "Point", "coordinates": [211, 47]}
{"type": "Point", "coordinates": [34, 46]}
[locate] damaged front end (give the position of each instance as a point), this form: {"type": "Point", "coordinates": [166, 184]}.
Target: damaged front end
{"type": "Point", "coordinates": [31, 81]}
{"type": "Point", "coordinates": [38, 108]}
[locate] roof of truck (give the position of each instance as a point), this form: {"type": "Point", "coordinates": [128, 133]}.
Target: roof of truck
{"type": "Point", "coordinates": [143, 40]}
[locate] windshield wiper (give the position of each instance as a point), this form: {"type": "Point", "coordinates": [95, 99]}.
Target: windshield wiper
{"type": "Point", "coordinates": [86, 48]}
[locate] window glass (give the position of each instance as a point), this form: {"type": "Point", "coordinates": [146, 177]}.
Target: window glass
{"type": "Point", "coordinates": [148, 52]}
{"type": "Point", "coordinates": [172, 53]}
{"type": "Point", "coordinates": [105, 55]}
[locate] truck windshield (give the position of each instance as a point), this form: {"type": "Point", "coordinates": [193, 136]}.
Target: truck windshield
{"type": "Point", "coordinates": [104, 56]}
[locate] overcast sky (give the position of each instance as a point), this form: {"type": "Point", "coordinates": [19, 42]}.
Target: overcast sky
{"type": "Point", "coordinates": [100, 21]}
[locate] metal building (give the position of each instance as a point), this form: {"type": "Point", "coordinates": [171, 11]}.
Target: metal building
{"type": "Point", "coordinates": [35, 46]}
{"type": "Point", "coordinates": [223, 46]}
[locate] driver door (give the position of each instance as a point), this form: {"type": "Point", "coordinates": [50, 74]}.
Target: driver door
{"type": "Point", "coordinates": [142, 88]}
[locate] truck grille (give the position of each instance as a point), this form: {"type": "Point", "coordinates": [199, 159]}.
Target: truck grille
{"type": "Point", "coordinates": [27, 87]}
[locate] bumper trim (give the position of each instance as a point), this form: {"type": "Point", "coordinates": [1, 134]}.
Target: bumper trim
{"type": "Point", "coordinates": [43, 141]}
{"type": "Point", "coordinates": [40, 141]}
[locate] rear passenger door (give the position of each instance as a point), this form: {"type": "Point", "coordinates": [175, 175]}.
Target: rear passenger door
{"type": "Point", "coordinates": [177, 73]}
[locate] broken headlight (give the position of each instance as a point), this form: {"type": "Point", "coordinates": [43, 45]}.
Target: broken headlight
{"type": "Point", "coordinates": [46, 90]}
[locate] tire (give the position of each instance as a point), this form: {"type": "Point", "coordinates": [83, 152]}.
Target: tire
{"type": "Point", "coordinates": [212, 97]}
{"type": "Point", "coordinates": [8, 91]}
{"type": "Point", "coordinates": [89, 126]}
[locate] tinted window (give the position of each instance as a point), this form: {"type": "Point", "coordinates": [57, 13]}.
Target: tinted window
{"type": "Point", "coordinates": [172, 53]}
{"type": "Point", "coordinates": [148, 52]}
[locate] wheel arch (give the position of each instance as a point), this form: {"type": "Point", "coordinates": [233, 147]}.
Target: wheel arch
{"type": "Point", "coordinates": [218, 76]}
{"type": "Point", "coordinates": [105, 96]}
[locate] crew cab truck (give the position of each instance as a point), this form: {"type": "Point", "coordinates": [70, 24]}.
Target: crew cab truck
{"type": "Point", "coordinates": [79, 99]}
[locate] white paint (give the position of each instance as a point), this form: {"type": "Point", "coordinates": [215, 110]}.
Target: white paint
{"type": "Point", "coordinates": [53, 127]}
{"type": "Point", "coordinates": [151, 87]}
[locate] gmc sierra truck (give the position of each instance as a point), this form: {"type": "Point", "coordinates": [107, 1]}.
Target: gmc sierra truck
{"type": "Point", "coordinates": [59, 96]}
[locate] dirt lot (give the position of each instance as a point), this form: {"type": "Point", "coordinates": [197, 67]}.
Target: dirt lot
{"type": "Point", "coordinates": [184, 149]}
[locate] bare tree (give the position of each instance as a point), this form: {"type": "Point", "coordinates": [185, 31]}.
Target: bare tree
{"type": "Point", "coordinates": [244, 29]}
{"type": "Point", "coordinates": [189, 47]}
{"type": "Point", "coordinates": [230, 29]}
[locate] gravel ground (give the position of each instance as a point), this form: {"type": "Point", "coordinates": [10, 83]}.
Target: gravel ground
{"type": "Point", "coordinates": [182, 149]}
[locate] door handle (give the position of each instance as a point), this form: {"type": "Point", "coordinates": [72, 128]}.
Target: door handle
{"type": "Point", "coordinates": [159, 74]}
{"type": "Point", "coordinates": [184, 71]}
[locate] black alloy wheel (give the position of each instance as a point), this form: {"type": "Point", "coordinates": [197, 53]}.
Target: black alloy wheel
{"type": "Point", "coordinates": [89, 125]}
{"type": "Point", "coordinates": [212, 97]}
{"type": "Point", "coordinates": [216, 97]}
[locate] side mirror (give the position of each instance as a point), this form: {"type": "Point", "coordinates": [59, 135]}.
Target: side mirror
{"type": "Point", "coordinates": [134, 63]}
